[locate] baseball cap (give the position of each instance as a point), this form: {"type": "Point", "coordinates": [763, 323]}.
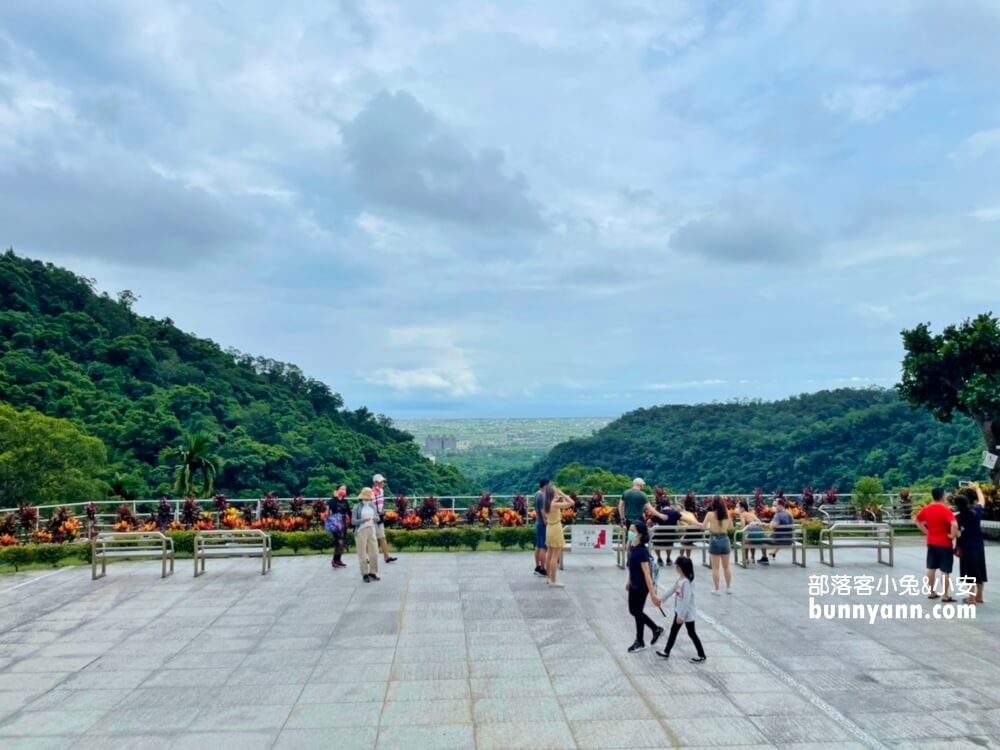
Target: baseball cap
{"type": "Point", "coordinates": [378, 478]}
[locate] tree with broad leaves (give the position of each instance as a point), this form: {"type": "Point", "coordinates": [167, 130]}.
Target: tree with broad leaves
{"type": "Point", "coordinates": [957, 370]}
{"type": "Point", "coordinates": [195, 457]}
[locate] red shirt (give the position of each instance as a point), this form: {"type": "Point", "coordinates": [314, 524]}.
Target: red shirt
{"type": "Point", "coordinates": [938, 519]}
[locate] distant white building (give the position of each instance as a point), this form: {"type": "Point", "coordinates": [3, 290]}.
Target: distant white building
{"type": "Point", "coordinates": [434, 444]}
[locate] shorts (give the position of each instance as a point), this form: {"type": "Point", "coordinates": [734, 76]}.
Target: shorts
{"type": "Point", "coordinates": [719, 545]}
{"type": "Point", "coordinates": [554, 536]}
{"type": "Point", "coordinates": [940, 558]}
{"type": "Point", "coordinates": [540, 536]}
{"type": "Point", "coordinates": [380, 531]}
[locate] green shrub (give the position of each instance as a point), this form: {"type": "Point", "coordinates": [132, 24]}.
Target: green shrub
{"type": "Point", "coordinates": [51, 554]}
{"type": "Point", "coordinates": [296, 540]}
{"type": "Point", "coordinates": [278, 540]}
{"type": "Point", "coordinates": [868, 491]}
{"type": "Point", "coordinates": [319, 540]}
{"type": "Point", "coordinates": [811, 530]}
{"type": "Point", "coordinates": [399, 539]}
{"type": "Point", "coordinates": [18, 555]}
{"type": "Point", "coordinates": [183, 541]}
{"type": "Point", "coordinates": [471, 537]}
{"type": "Point", "coordinates": [448, 538]}
{"type": "Point", "coordinates": [505, 537]}
{"type": "Point", "coordinates": [526, 537]}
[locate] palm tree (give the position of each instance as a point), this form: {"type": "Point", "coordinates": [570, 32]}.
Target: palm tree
{"type": "Point", "coordinates": [196, 457]}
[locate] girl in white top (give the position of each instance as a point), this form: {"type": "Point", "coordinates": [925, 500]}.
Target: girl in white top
{"type": "Point", "coordinates": [684, 610]}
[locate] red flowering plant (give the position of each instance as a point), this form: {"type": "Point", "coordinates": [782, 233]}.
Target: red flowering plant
{"type": "Point", "coordinates": [270, 506]}
{"type": "Point", "coordinates": [7, 540]}
{"type": "Point", "coordinates": [509, 517]}
{"type": "Point", "coordinates": [62, 526]}
{"type": "Point", "coordinates": [471, 515]}
{"type": "Point", "coordinates": [401, 503]}
{"type": "Point", "coordinates": [27, 517]}
{"type": "Point", "coordinates": [190, 510]}
{"type": "Point", "coordinates": [577, 503]}
{"type": "Point", "coordinates": [221, 503]}
{"type": "Point", "coordinates": [205, 522]}
{"type": "Point", "coordinates": [164, 514]}
{"type": "Point", "coordinates": [8, 525]}
{"type": "Point", "coordinates": [831, 496]}
{"type": "Point", "coordinates": [319, 507]}
{"type": "Point", "coordinates": [520, 505]}
{"type": "Point", "coordinates": [596, 501]}
{"type": "Point", "coordinates": [247, 513]}
{"type": "Point", "coordinates": [568, 515]}
{"type": "Point", "coordinates": [90, 509]}
{"type": "Point", "coordinates": [297, 505]}
{"type": "Point", "coordinates": [808, 498]}
{"type": "Point", "coordinates": [603, 515]}
{"type": "Point", "coordinates": [445, 519]}
{"type": "Point", "coordinates": [412, 521]}
{"type": "Point", "coordinates": [758, 501]}
{"type": "Point", "coordinates": [42, 537]}
{"type": "Point", "coordinates": [126, 518]}
{"type": "Point", "coordinates": [485, 503]}
{"type": "Point", "coordinates": [428, 508]}
{"type": "Point", "coordinates": [390, 519]}
{"type": "Point", "coordinates": [231, 519]}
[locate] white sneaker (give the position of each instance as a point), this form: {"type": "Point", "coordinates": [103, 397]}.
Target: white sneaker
{"type": "Point", "coordinates": [729, 591]}
{"type": "Point", "coordinates": [714, 592]}
{"type": "Point", "coordinates": [557, 585]}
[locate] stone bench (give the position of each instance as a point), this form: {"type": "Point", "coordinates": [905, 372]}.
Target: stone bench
{"type": "Point", "coordinates": [232, 543]}
{"type": "Point", "coordinates": [877, 536]}
{"type": "Point", "coordinates": [130, 545]}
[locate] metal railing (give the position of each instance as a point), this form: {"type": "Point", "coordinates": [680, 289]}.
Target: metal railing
{"type": "Point", "coordinates": [893, 509]}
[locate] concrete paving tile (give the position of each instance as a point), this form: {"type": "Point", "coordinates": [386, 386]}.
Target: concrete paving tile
{"type": "Point", "coordinates": [620, 733]}
{"type": "Point", "coordinates": [124, 742]}
{"type": "Point", "coordinates": [33, 724]}
{"type": "Point", "coordinates": [321, 715]}
{"type": "Point", "coordinates": [779, 730]}
{"type": "Point", "coordinates": [343, 692]}
{"type": "Point", "coordinates": [246, 718]}
{"type": "Point", "coordinates": [414, 713]}
{"type": "Point", "coordinates": [423, 690]}
{"type": "Point", "coordinates": [78, 700]}
{"type": "Point", "coordinates": [445, 737]}
{"type": "Point", "coordinates": [715, 733]}
{"type": "Point", "coordinates": [487, 710]}
{"type": "Point", "coordinates": [224, 741]}
{"type": "Point", "coordinates": [347, 738]}
{"type": "Point", "coordinates": [525, 735]}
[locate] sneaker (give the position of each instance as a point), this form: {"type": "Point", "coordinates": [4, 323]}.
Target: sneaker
{"type": "Point", "coordinates": [341, 564]}
{"type": "Point", "coordinates": [637, 647]}
{"type": "Point", "coordinates": [557, 585]}
{"type": "Point", "coordinates": [697, 659]}
{"type": "Point", "coordinates": [374, 577]}
{"type": "Point", "coordinates": [664, 654]}
{"type": "Point", "coordinates": [390, 559]}
{"type": "Point", "coordinates": [333, 563]}
{"type": "Point", "coordinates": [669, 561]}
{"type": "Point", "coordinates": [367, 579]}
{"type": "Point", "coordinates": [715, 592]}
{"type": "Point", "coordinates": [540, 571]}
{"type": "Point", "coordinates": [656, 636]}
{"type": "Point", "coordinates": [764, 561]}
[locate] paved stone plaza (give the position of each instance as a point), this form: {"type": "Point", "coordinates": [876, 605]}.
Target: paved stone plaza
{"type": "Point", "coordinates": [469, 650]}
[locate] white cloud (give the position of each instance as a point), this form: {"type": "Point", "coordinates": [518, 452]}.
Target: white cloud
{"type": "Point", "coordinates": [684, 385]}
{"type": "Point", "coordinates": [869, 103]}
{"type": "Point", "coordinates": [992, 213]}
{"type": "Point", "coordinates": [452, 383]}
{"type": "Point", "coordinates": [434, 363]}
{"type": "Point", "coordinates": [979, 144]}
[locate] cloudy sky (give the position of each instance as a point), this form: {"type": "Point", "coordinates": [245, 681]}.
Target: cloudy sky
{"type": "Point", "coordinates": [506, 208]}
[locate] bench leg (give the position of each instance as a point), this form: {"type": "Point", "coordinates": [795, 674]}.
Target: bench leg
{"type": "Point", "coordinates": [704, 557]}
{"type": "Point", "coordinates": [828, 549]}
{"type": "Point", "coordinates": [196, 573]}
{"type": "Point", "coordinates": [93, 569]}
{"type": "Point", "coordinates": [263, 562]}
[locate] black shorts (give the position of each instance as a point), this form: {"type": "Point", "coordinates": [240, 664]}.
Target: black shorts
{"type": "Point", "coordinates": [940, 558]}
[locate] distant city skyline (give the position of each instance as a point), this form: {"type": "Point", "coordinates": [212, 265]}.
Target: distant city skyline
{"type": "Point", "coordinates": [495, 209]}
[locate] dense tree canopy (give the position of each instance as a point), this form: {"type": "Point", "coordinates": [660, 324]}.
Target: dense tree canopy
{"type": "Point", "coordinates": [142, 387]}
{"type": "Point", "coordinates": [823, 439]}
{"type": "Point", "coordinates": [957, 371]}
{"type": "Point", "coordinates": [46, 460]}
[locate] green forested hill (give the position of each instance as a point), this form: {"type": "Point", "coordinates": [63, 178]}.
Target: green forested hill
{"type": "Point", "coordinates": [140, 384]}
{"type": "Point", "coordinates": [823, 439]}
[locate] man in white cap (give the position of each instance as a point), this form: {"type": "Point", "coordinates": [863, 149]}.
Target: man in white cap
{"type": "Point", "coordinates": [635, 506]}
{"type": "Point", "coordinates": [378, 498]}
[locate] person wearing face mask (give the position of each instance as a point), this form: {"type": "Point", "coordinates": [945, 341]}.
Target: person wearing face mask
{"type": "Point", "coordinates": [365, 518]}
{"type": "Point", "coordinates": [640, 585]}
{"type": "Point", "coordinates": [338, 521]}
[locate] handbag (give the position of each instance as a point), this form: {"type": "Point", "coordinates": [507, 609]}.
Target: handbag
{"type": "Point", "coordinates": [335, 523]}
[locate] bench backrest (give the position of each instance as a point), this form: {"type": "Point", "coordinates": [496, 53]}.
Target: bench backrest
{"type": "Point", "coordinates": [666, 536]}
{"type": "Point", "coordinates": [133, 539]}
{"type": "Point", "coordinates": [861, 530]}
{"type": "Point", "coordinates": [232, 537]}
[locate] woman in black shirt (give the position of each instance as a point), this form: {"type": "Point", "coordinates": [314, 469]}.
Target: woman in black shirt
{"type": "Point", "coordinates": [640, 585]}
{"type": "Point", "coordinates": [971, 504]}
{"type": "Point", "coordinates": [338, 521]}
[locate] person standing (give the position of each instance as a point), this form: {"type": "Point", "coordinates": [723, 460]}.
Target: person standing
{"type": "Point", "coordinates": [365, 517]}
{"type": "Point", "coordinates": [555, 540]}
{"type": "Point", "coordinates": [640, 585]}
{"type": "Point", "coordinates": [684, 610]}
{"type": "Point", "coordinates": [338, 522]}
{"type": "Point", "coordinates": [671, 517]}
{"type": "Point", "coordinates": [540, 548]}
{"type": "Point", "coordinates": [937, 522]}
{"type": "Point", "coordinates": [718, 523]}
{"type": "Point", "coordinates": [635, 506]}
{"type": "Point", "coordinates": [971, 505]}
{"type": "Point", "coordinates": [378, 497]}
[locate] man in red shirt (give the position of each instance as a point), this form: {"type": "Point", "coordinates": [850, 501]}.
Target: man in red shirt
{"type": "Point", "coordinates": [938, 522]}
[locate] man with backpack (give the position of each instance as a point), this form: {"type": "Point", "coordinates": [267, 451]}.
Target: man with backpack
{"type": "Point", "coordinates": [338, 521]}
